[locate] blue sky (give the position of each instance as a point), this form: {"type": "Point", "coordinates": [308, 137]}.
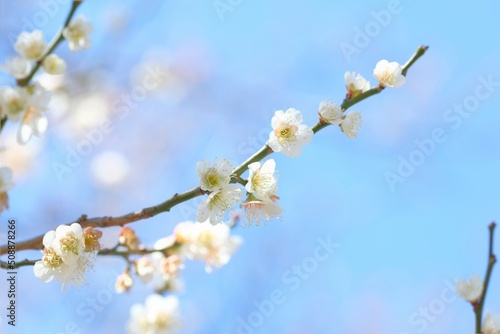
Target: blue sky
{"type": "Point", "coordinates": [399, 248]}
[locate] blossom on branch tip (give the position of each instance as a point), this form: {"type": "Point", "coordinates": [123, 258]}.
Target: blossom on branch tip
{"type": "Point", "coordinates": [351, 124]}
{"type": "Point", "coordinates": [471, 289]}
{"type": "Point", "coordinates": [159, 315]}
{"type": "Point", "coordinates": [214, 177]}
{"type": "Point", "coordinates": [53, 64]}
{"type": "Point", "coordinates": [491, 324]}
{"type": "Point", "coordinates": [218, 202]}
{"type": "Point", "coordinates": [389, 74]}
{"type": "Point", "coordinates": [330, 112]}
{"type": "Point", "coordinates": [77, 34]}
{"type": "Point", "coordinates": [355, 84]}
{"type": "Point", "coordinates": [18, 67]}
{"type": "Point", "coordinates": [262, 181]}
{"type": "Point", "coordinates": [289, 134]}
{"type": "Point", "coordinates": [30, 45]}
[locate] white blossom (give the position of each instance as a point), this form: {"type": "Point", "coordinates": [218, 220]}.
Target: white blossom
{"type": "Point", "coordinates": [351, 124]}
{"type": "Point", "coordinates": [289, 134]}
{"type": "Point", "coordinates": [159, 315]}
{"type": "Point", "coordinates": [69, 242]}
{"type": "Point", "coordinates": [491, 324]}
{"type": "Point", "coordinates": [18, 67]}
{"type": "Point", "coordinates": [389, 74]}
{"type": "Point", "coordinates": [77, 34]}
{"type": "Point", "coordinates": [53, 266]}
{"type": "Point", "coordinates": [257, 211]}
{"type": "Point", "coordinates": [158, 271]}
{"type": "Point", "coordinates": [64, 255]}
{"type": "Point", "coordinates": [54, 64]}
{"type": "Point", "coordinates": [218, 202]}
{"type": "Point", "coordinates": [471, 289]}
{"type": "Point", "coordinates": [214, 177]}
{"type": "Point", "coordinates": [34, 122]}
{"type": "Point", "coordinates": [330, 112]}
{"type": "Point", "coordinates": [13, 102]}
{"type": "Point", "coordinates": [262, 181]}
{"type": "Point", "coordinates": [30, 45]}
{"type": "Point", "coordinates": [355, 84]}
{"type": "Point", "coordinates": [212, 244]}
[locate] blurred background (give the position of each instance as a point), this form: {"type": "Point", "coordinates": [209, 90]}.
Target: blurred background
{"type": "Point", "coordinates": [225, 68]}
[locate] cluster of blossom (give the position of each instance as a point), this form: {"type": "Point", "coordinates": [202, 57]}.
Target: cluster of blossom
{"type": "Point", "coordinates": [28, 104]}
{"type": "Point", "coordinates": [158, 315]}
{"type": "Point", "coordinates": [389, 74]}
{"type": "Point", "coordinates": [472, 291]}
{"type": "Point", "coordinates": [160, 269]}
{"type": "Point", "coordinates": [213, 245]}
{"type": "Point", "coordinates": [288, 136]}
{"type": "Point", "coordinates": [261, 186]}
{"type": "Point", "coordinates": [68, 254]}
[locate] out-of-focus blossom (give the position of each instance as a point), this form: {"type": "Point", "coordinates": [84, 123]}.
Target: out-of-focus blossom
{"type": "Point", "coordinates": [18, 67]}
{"type": "Point", "coordinates": [471, 289]}
{"type": "Point", "coordinates": [13, 102]}
{"type": "Point", "coordinates": [77, 33]}
{"type": "Point", "coordinates": [124, 282]}
{"type": "Point", "coordinates": [159, 315]}
{"type": "Point", "coordinates": [127, 237]}
{"type": "Point", "coordinates": [30, 45]}
{"type": "Point", "coordinates": [6, 184]}
{"type": "Point", "coordinates": [491, 324]}
{"type": "Point", "coordinates": [53, 64]}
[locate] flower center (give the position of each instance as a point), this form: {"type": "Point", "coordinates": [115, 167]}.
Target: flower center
{"type": "Point", "coordinates": [286, 132]}
{"type": "Point", "coordinates": [51, 259]}
{"type": "Point", "coordinates": [212, 178]}
{"type": "Point", "coordinates": [70, 244]}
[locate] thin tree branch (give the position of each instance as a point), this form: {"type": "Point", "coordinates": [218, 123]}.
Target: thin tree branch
{"type": "Point", "coordinates": [36, 243]}
{"type": "Point", "coordinates": [478, 309]}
